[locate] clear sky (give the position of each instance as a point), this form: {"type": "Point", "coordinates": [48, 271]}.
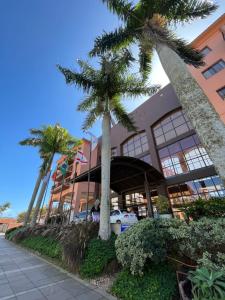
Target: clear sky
{"type": "Point", "coordinates": [36, 35]}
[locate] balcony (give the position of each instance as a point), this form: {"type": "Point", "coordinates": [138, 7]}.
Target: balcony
{"type": "Point", "coordinates": [58, 186]}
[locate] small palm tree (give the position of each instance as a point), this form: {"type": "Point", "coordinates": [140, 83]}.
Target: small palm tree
{"type": "Point", "coordinates": [50, 140]}
{"type": "Point", "coordinates": [147, 23]}
{"type": "Point", "coordinates": [105, 87]}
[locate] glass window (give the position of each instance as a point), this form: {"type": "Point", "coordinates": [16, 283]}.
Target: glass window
{"type": "Point", "coordinates": [221, 92]}
{"type": "Point", "coordinates": [146, 158]}
{"type": "Point", "coordinates": [114, 151]}
{"type": "Point", "coordinates": [170, 127]}
{"type": "Point", "coordinates": [183, 156]}
{"type": "Point", "coordinates": [220, 65]}
{"type": "Point", "coordinates": [136, 145]}
{"type": "Point", "coordinates": [205, 51]}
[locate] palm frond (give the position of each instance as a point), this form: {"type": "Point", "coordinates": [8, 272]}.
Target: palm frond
{"type": "Point", "coordinates": [88, 103]}
{"type": "Point", "coordinates": [122, 8]}
{"type": "Point", "coordinates": [122, 116]}
{"type": "Point", "coordinates": [145, 60]}
{"type": "Point", "coordinates": [80, 79]}
{"type": "Point", "coordinates": [184, 11]}
{"type": "Point", "coordinates": [90, 119]}
{"type": "Point", "coordinates": [120, 38]}
{"type": "Point", "coordinates": [31, 142]}
{"type": "Point", "coordinates": [38, 132]}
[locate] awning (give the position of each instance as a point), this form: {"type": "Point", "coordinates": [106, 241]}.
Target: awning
{"type": "Point", "coordinates": [127, 173]}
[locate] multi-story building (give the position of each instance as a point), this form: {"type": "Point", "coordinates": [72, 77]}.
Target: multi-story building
{"type": "Point", "coordinates": [166, 139]}
{"type": "Point", "coordinates": [211, 77]}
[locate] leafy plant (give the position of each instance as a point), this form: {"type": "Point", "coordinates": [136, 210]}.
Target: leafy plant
{"type": "Point", "coordinates": [11, 232]}
{"type": "Point", "coordinates": [149, 239]}
{"type": "Point", "coordinates": [207, 284]}
{"type": "Point", "coordinates": [214, 262]}
{"type": "Point", "coordinates": [4, 207]}
{"type": "Point", "coordinates": [158, 283]}
{"type": "Point", "coordinates": [213, 208]}
{"type": "Point", "coordinates": [162, 204]}
{"type": "Point", "coordinates": [98, 255]}
{"type": "Point", "coordinates": [44, 245]}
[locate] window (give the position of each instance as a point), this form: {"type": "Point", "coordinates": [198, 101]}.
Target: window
{"type": "Point", "coordinates": [114, 151]}
{"type": "Point", "coordinates": [146, 158]}
{"type": "Point", "coordinates": [183, 157]}
{"type": "Point", "coordinates": [205, 51]}
{"type": "Point", "coordinates": [221, 92]}
{"type": "Point", "coordinates": [136, 145]}
{"type": "Point", "coordinates": [170, 127]}
{"type": "Point", "coordinates": [220, 65]}
{"type": "Point", "coordinates": [189, 191]}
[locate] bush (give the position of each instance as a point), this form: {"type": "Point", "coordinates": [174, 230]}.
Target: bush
{"type": "Point", "coordinates": [200, 236]}
{"type": "Point", "coordinates": [98, 255]}
{"type": "Point", "coordinates": [214, 262]}
{"type": "Point", "coordinates": [213, 208]}
{"type": "Point", "coordinates": [147, 240]}
{"type": "Point", "coordinates": [11, 232]}
{"type": "Point", "coordinates": [74, 240]}
{"type": "Point", "coordinates": [44, 245]}
{"type": "Point", "coordinates": [158, 283]}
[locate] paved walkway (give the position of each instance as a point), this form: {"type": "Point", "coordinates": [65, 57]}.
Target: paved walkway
{"type": "Point", "coordinates": [24, 276]}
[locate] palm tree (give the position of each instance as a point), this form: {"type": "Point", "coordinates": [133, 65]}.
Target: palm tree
{"type": "Point", "coordinates": [148, 24]}
{"type": "Point", "coordinates": [105, 87]}
{"type": "Point", "coordinates": [50, 140]}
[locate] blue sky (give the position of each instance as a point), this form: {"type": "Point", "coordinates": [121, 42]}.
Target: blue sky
{"type": "Point", "coordinates": [35, 36]}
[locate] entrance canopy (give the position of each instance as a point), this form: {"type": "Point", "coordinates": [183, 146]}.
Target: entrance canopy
{"type": "Point", "coordinates": [127, 174]}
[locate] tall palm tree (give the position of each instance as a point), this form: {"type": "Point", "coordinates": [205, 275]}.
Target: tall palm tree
{"type": "Point", "coordinates": [105, 87]}
{"type": "Point", "coordinates": [50, 140]}
{"type": "Point", "coordinates": [148, 24]}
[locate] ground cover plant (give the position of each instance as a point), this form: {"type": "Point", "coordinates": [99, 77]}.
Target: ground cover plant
{"type": "Point", "coordinates": [157, 283]}
{"type": "Point", "coordinates": [98, 255]}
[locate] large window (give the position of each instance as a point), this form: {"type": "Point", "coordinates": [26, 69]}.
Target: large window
{"type": "Point", "coordinates": [170, 127]}
{"type": "Point", "coordinates": [221, 92]}
{"type": "Point", "coordinates": [190, 191]}
{"type": "Point", "coordinates": [220, 65]}
{"type": "Point", "coordinates": [136, 145]}
{"type": "Point", "coordinates": [205, 51]}
{"type": "Point", "coordinates": [183, 156]}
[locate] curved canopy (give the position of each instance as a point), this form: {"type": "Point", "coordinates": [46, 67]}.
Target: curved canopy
{"type": "Point", "coordinates": [127, 173]}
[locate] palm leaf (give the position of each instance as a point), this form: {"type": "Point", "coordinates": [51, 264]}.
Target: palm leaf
{"type": "Point", "coordinates": [122, 8]}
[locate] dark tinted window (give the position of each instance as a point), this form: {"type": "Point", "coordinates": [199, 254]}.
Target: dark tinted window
{"type": "Point", "coordinates": [205, 51]}
{"type": "Point", "coordinates": [221, 92]}
{"type": "Point", "coordinates": [220, 65]}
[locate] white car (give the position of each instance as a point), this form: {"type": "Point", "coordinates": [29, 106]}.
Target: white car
{"type": "Point", "coordinates": [122, 217]}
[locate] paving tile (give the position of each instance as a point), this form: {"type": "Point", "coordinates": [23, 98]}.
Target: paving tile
{"type": "Point", "coordinates": [32, 295]}
{"type": "Point", "coordinates": [22, 285]}
{"type": "Point", "coordinates": [91, 295]}
{"type": "Point", "coordinates": [5, 290]}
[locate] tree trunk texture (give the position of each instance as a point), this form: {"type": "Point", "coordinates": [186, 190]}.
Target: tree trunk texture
{"type": "Point", "coordinates": [41, 194]}
{"type": "Point", "coordinates": [204, 118]}
{"type": "Point", "coordinates": [31, 204]}
{"type": "Point", "coordinates": [104, 227]}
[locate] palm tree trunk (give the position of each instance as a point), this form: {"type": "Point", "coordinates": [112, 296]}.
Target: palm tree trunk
{"type": "Point", "coordinates": [205, 120]}
{"type": "Point", "coordinates": [41, 194]}
{"type": "Point", "coordinates": [104, 228]}
{"type": "Point", "coordinates": [31, 204]}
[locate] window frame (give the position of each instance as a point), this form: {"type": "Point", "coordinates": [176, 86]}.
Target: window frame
{"type": "Point", "coordinates": [212, 67]}
{"type": "Point", "coordinates": [218, 92]}
{"type": "Point", "coordinates": [206, 47]}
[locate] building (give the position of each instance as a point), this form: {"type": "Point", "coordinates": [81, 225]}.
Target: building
{"type": "Point", "coordinates": [211, 77]}
{"type": "Point", "coordinates": [165, 140]}
{"type": "Point", "coordinates": [7, 223]}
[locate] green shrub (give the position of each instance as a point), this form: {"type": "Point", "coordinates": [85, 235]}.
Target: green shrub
{"type": "Point", "coordinates": [11, 233]}
{"type": "Point", "coordinates": [98, 255]}
{"type": "Point", "coordinates": [205, 235]}
{"type": "Point", "coordinates": [44, 245]}
{"type": "Point", "coordinates": [214, 262]}
{"type": "Point", "coordinates": [149, 239]}
{"type": "Point", "coordinates": [213, 208]}
{"type": "Point", "coordinates": [158, 283]}
{"type": "Point", "coordinates": [207, 284]}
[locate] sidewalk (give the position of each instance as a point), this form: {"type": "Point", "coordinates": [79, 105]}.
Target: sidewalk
{"type": "Point", "coordinates": [24, 276]}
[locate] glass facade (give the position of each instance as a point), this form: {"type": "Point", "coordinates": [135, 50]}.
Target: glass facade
{"type": "Point", "coordinates": [190, 191]}
{"type": "Point", "coordinates": [170, 127]}
{"type": "Point", "coordinates": [183, 156]}
{"type": "Point", "coordinates": [146, 158]}
{"type": "Point", "coordinates": [220, 65]}
{"type": "Point", "coordinates": [136, 145]}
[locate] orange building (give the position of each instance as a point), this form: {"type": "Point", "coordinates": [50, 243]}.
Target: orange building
{"type": "Point", "coordinates": [7, 223]}
{"type": "Point", "coordinates": [66, 193]}
{"type": "Point", "coordinates": [211, 77]}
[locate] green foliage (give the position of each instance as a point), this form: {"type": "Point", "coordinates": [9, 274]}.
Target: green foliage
{"type": "Point", "coordinates": [162, 204]}
{"type": "Point", "coordinates": [158, 283]}
{"type": "Point", "coordinates": [207, 284]}
{"type": "Point", "coordinates": [214, 262]}
{"type": "Point", "coordinates": [198, 237]}
{"type": "Point", "coordinates": [149, 239]}
{"type": "Point", "coordinates": [98, 255]}
{"type": "Point", "coordinates": [44, 245]}
{"type": "Point", "coordinates": [4, 207]}
{"type": "Point", "coordinates": [10, 233]}
{"type": "Point", "coordinates": [213, 208]}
